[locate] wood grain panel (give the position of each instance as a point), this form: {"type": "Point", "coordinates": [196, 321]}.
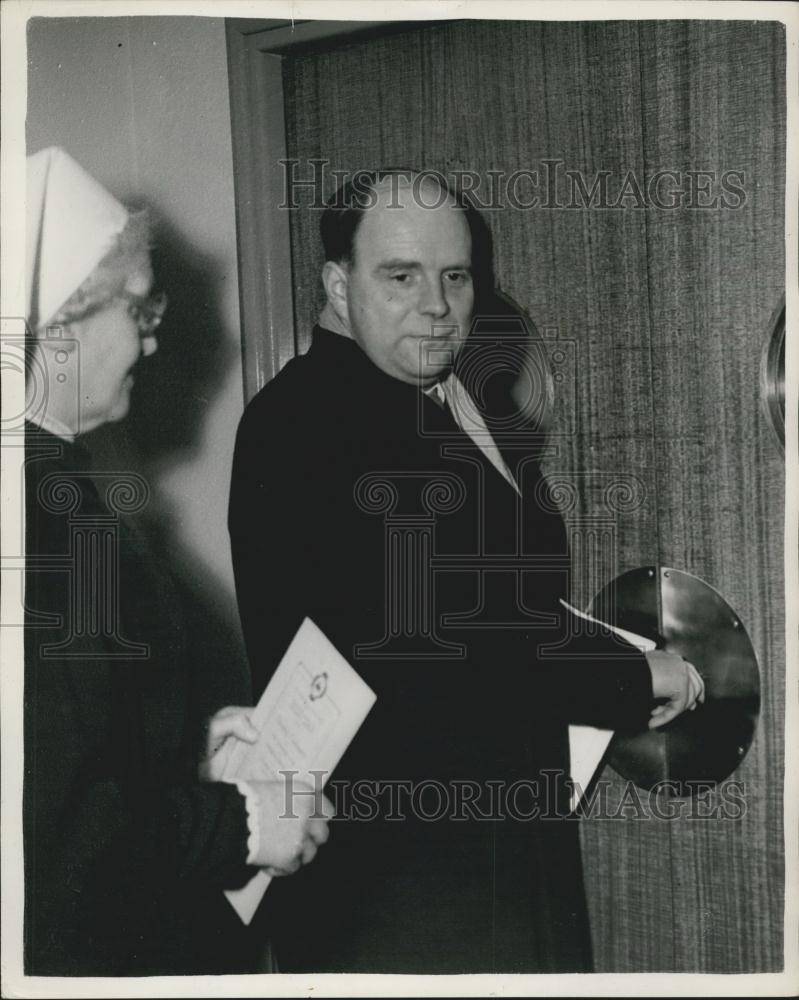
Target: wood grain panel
{"type": "Point", "coordinates": [714, 278]}
{"type": "Point", "coordinates": [627, 870]}
{"type": "Point", "coordinates": [662, 311]}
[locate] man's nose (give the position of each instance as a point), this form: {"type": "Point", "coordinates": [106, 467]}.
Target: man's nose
{"type": "Point", "coordinates": [433, 301]}
{"type": "Point", "coordinates": [149, 345]}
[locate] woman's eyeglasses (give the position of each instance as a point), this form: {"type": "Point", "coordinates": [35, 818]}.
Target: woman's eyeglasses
{"type": "Point", "coordinates": [146, 310]}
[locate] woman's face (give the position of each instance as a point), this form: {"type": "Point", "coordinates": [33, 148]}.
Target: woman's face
{"type": "Point", "coordinates": [110, 344]}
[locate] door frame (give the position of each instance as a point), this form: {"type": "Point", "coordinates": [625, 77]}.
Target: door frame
{"type": "Point", "coordinates": [256, 48]}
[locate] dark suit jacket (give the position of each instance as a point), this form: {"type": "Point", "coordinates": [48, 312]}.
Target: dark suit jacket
{"type": "Point", "coordinates": [126, 853]}
{"type": "Point", "coordinates": [315, 532]}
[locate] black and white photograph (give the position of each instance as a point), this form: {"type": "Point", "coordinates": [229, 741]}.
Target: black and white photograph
{"type": "Point", "coordinates": [399, 498]}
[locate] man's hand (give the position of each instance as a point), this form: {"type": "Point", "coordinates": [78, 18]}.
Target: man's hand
{"type": "Point", "coordinates": [292, 825]}
{"type": "Point", "coordinates": [675, 679]}
{"type": "Point", "coordinates": [229, 724]}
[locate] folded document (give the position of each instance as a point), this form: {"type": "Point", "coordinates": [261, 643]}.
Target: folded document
{"type": "Point", "coordinates": [311, 709]}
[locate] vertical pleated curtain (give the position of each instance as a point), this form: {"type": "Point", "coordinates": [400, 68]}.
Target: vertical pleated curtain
{"type": "Point", "coordinates": [655, 319]}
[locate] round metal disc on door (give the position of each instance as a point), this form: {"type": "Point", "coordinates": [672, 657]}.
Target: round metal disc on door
{"type": "Point", "coordinates": [685, 615]}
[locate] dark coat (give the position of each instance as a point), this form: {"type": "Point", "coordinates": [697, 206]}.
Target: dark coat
{"type": "Point", "coordinates": [311, 536]}
{"type": "Point", "coordinates": [126, 853]}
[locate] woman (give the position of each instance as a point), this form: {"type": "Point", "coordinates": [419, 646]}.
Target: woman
{"type": "Point", "coordinates": [127, 852]}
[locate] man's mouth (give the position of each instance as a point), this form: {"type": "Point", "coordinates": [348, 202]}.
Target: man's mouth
{"type": "Point", "coordinates": [437, 354]}
{"type": "Point", "coordinates": [444, 331]}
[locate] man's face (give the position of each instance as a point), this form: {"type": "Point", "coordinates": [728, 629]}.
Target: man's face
{"type": "Point", "coordinates": [409, 293]}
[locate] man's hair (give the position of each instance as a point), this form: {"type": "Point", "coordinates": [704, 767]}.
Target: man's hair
{"type": "Point", "coordinates": [111, 275]}
{"type": "Point", "coordinates": [344, 211]}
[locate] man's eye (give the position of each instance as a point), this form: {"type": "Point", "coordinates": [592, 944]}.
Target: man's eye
{"type": "Point", "coordinates": [457, 277]}
{"type": "Point", "coordinates": [400, 276]}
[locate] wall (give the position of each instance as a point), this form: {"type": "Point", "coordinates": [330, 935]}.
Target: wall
{"type": "Point", "coordinates": [142, 103]}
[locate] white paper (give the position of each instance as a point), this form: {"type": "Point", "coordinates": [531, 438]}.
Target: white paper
{"type": "Point", "coordinates": [308, 715]}
{"type": "Point", "coordinates": [587, 745]}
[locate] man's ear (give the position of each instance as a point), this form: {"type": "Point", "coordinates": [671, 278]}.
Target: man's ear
{"type": "Point", "coordinates": [335, 278]}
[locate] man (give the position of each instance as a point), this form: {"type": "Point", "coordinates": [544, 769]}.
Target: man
{"type": "Point", "coordinates": [127, 852]}
{"type": "Point", "coordinates": [359, 468]}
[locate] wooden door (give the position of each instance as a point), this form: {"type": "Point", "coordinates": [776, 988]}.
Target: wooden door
{"type": "Point", "coordinates": [657, 317]}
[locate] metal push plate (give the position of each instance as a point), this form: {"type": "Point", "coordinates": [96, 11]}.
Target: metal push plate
{"type": "Point", "coordinates": [685, 615]}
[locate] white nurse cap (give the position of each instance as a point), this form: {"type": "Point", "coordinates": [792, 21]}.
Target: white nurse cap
{"type": "Point", "coordinates": [72, 223]}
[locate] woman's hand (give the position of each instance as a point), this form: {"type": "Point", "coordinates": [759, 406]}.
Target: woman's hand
{"type": "Point", "coordinates": [224, 728]}
{"type": "Point", "coordinates": [292, 825]}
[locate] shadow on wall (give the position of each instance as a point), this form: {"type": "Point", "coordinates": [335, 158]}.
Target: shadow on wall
{"type": "Point", "coordinates": [503, 363]}
{"type": "Point", "coordinates": [176, 385]}
{"type": "Point", "coordinates": [173, 389]}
